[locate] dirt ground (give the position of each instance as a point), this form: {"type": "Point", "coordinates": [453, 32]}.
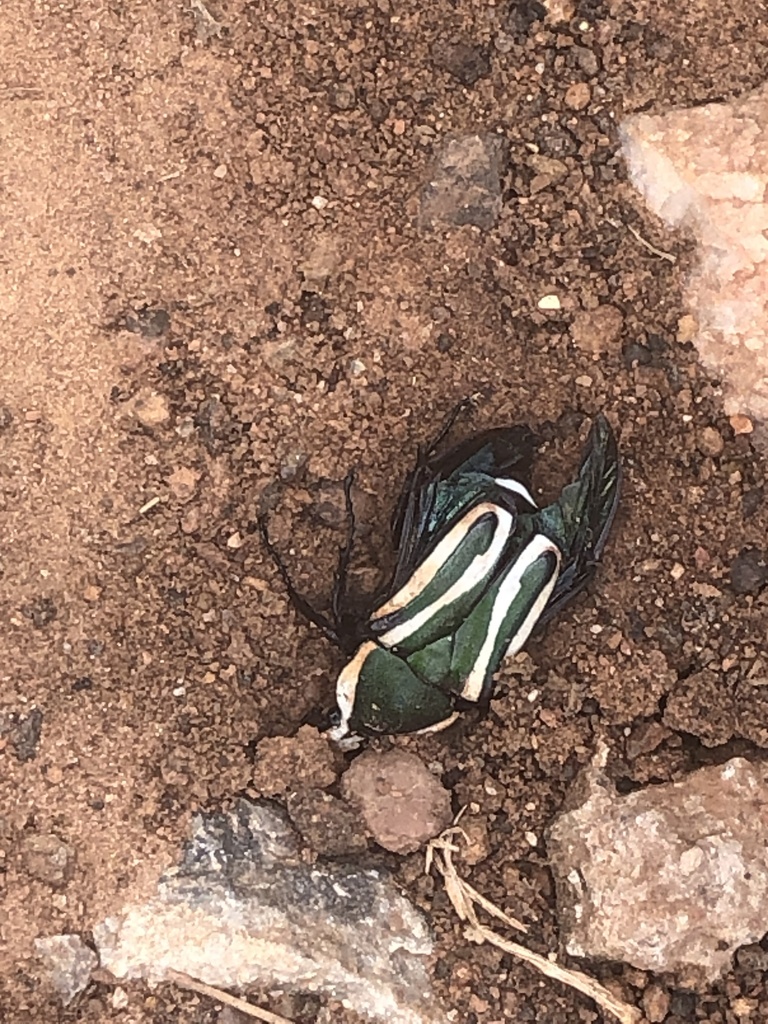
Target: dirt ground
{"type": "Point", "coordinates": [216, 301]}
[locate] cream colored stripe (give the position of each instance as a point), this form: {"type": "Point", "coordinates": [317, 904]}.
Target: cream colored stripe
{"type": "Point", "coordinates": [480, 566]}
{"type": "Point", "coordinates": [508, 591]}
{"type": "Point", "coordinates": [346, 688]}
{"type": "Point", "coordinates": [426, 572]}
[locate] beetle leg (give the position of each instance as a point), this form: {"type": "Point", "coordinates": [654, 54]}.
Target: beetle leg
{"type": "Point", "coordinates": [300, 603]}
{"type": "Point", "coordinates": [446, 428]}
{"type": "Point", "coordinates": [345, 553]}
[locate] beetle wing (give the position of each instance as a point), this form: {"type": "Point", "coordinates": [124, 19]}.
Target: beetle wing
{"type": "Point", "coordinates": [580, 520]}
{"type": "Point", "coordinates": [441, 488]}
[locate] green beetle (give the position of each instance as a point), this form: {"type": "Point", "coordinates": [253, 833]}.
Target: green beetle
{"type": "Point", "coordinates": [478, 567]}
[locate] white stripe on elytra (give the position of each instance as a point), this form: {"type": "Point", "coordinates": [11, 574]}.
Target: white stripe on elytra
{"type": "Point", "coordinates": [346, 689]}
{"type": "Point", "coordinates": [478, 568]}
{"type": "Point", "coordinates": [508, 591]}
{"type": "Point", "coordinates": [517, 488]}
{"type": "Point", "coordinates": [426, 572]}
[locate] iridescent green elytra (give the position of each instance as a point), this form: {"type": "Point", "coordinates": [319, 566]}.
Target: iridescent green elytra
{"type": "Point", "coordinates": [478, 567]}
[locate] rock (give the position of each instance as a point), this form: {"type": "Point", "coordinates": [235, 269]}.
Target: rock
{"type": "Point", "coordinates": [182, 483]}
{"type": "Point", "coordinates": [243, 909]}
{"type": "Point", "coordinates": [402, 802]}
{"type": "Point", "coordinates": [465, 184]}
{"type": "Point", "coordinates": [47, 858]}
{"type": "Point", "coordinates": [710, 442]}
{"type": "Point", "coordinates": [741, 424]}
{"type": "Point", "coordinates": [342, 96]}
{"type": "Point", "coordinates": [69, 963]}
{"type": "Point", "coordinates": [597, 330]}
{"type": "Point", "coordinates": [577, 96]}
{"type": "Point", "coordinates": [707, 167]}
{"type": "Point", "coordinates": [670, 878]}
{"type": "Point", "coordinates": [6, 418]}
{"type": "Point", "coordinates": [41, 610]}
{"type": "Point", "coordinates": [150, 408]}
{"type": "Point", "coordinates": [329, 825]}
{"type": "Point", "coordinates": [655, 1003]}
{"type": "Point", "coordinates": [286, 762]}
{"type": "Point", "coordinates": [465, 62]}
{"type": "Point", "coordinates": [26, 733]}
{"type": "Point", "coordinates": [749, 571]}
{"type": "Point", "coordinates": [149, 323]}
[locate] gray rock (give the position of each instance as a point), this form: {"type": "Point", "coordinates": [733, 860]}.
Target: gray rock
{"type": "Point", "coordinates": [244, 909]}
{"type": "Point", "coordinates": [465, 185]}
{"type": "Point", "coordinates": [670, 878]}
{"type": "Point", "coordinates": [69, 963]}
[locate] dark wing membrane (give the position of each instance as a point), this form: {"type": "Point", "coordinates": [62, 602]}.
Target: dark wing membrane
{"type": "Point", "coordinates": [440, 488]}
{"type": "Point", "coordinates": [580, 520]}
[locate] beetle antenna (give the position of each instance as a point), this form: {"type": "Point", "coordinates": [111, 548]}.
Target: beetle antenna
{"type": "Point", "coordinates": [300, 603]}
{"type": "Point", "coordinates": [345, 552]}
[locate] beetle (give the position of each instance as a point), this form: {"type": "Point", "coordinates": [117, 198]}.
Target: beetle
{"type": "Point", "coordinates": [478, 567]}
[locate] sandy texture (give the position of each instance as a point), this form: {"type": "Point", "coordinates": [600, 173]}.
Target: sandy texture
{"type": "Point", "coordinates": [220, 220]}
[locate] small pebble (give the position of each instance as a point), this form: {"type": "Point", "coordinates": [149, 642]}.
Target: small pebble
{"type": "Point", "coordinates": [741, 424]}
{"type": "Point", "coordinates": [151, 409]}
{"type": "Point", "coordinates": [319, 202]}
{"type": "Point", "coordinates": [182, 483]}
{"type": "Point", "coordinates": [404, 805]}
{"type": "Point", "coordinates": [48, 858]}
{"type": "Point", "coordinates": [549, 302]}
{"type": "Point", "coordinates": [677, 571]}
{"type": "Point", "coordinates": [577, 96]}
{"type": "Point", "coordinates": [710, 441]}
{"type": "Point", "coordinates": [221, 171]}
{"type": "Point", "coordinates": [749, 571]}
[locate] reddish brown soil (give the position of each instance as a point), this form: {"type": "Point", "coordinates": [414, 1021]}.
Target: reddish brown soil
{"type": "Point", "coordinates": [158, 235]}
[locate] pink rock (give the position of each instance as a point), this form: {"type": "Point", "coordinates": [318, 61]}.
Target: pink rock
{"type": "Point", "coordinates": [669, 878]}
{"type": "Point", "coordinates": [402, 802]}
{"type": "Point", "coordinates": [707, 168]}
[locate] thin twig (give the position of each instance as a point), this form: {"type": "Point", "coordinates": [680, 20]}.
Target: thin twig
{"type": "Point", "coordinates": [185, 981]}
{"type": "Point", "coordinates": [464, 899]}
{"type": "Point", "coordinates": [661, 253]}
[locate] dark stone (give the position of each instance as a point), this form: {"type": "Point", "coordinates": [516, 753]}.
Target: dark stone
{"type": "Point", "coordinates": [752, 958]}
{"type": "Point", "coordinates": [42, 611]}
{"type": "Point", "coordinates": [27, 735]}
{"type": "Point", "coordinates": [445, 342]}
{"type": "Point", "coordinates": [521, 15]}
{"type": "Point", "coordinates": [749, 571]}
{"type": "Point", "coordinates": [683, 1003]}
{"type": "Point", "coordinates": [752, 501]}
{"type": "Point", "coordinates": [148, 322]}
{"type": "Point", "coordinates": [464, 185]}
{"type": "Point", "coordinates": [6, 418]}
{"type": "Point", "coordinates": [378, 110]}
{"type": "Point", "coordinates": [634, 352]}
{"type": "Point", "coordinates": [465, 62]}
{"type": "Point", "coordinates": [83, 683]}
